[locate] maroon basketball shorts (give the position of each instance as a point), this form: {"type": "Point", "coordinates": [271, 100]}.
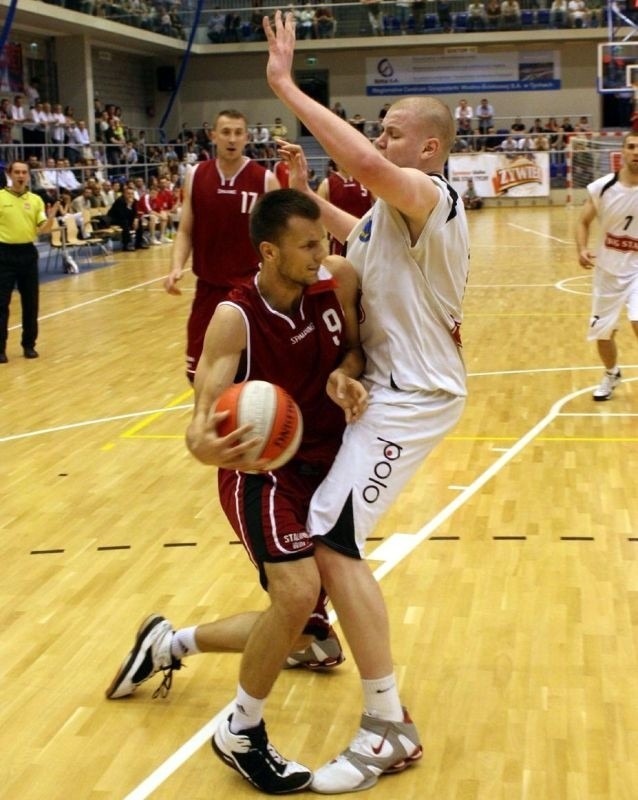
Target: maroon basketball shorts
{"type": "Point", "coordinates": [206, 300]}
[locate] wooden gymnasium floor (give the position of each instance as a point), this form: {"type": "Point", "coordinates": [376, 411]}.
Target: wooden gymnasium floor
{"type": "Point", "coordinates": [510, 566]}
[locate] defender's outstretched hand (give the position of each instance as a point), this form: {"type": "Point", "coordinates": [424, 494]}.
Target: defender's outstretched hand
{"type": "Point", "coordinates": [294, 155]}
{"type": "Point", "coordinates": [281, 48]}
{"type": "Point", "coordinates": [348, 393]}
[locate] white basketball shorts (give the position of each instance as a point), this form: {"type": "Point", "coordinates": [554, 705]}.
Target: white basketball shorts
{"type": "Point", "coordinates": [378, 456]}
{"type": "Point", "coordinates": [609, 294]}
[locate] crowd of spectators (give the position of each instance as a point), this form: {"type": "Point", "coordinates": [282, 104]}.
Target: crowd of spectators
{"type": "Point", "coordinates": [226, 22]}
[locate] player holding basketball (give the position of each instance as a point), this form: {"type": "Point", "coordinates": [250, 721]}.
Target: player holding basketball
{"type": "Point", "coordinates": [294, 324]}
{"type": "Point", "coordinates": [218, 197]}
{"type": "Point", "coordinates": [614, 200]}
{"type": "Point", "coordinates": [411, 255]}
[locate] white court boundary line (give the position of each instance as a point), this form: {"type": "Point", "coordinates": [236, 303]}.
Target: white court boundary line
{"type": "Point", "coordinates": [398, 546]}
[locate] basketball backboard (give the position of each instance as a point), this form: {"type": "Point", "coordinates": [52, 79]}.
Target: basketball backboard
{"type": "Point", "coordinates": [614, 62]}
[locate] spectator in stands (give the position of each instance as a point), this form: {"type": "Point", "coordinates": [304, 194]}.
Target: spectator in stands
{"type": "Point", "coordinates": [123, 213]}
{"type": "Point", "coordinates": [510, 15]}
{"type": "Point", "coordinates": [79, 142]}
{"type": "Point", "coordinates": [58, 130]}
{"type": "Point", "coordinates": [404, 12]}
{"type": "Point", "coordinates": [471, 199]}
{"type": "Point", "coordinates": [527, 142]}
{"type": "Point", "coordinates": [339, 110]}
{"type": "Point", "coordinates": [107, 194]}
{"type": "Point", "coordinates": [583, 125]}
{"type": "Point", "coordinates": [203, 138]}
{"type": "Point", "coordinates": [566, 125]}
{"type": "Point", "coordinates": [485, 116]}
{"type": "Point", "coordinates": [32, 91]}
{"type": "Point", "coordinates": [375, 18]}
{"type": "Point", "coordinates": [18, 117]}
{"type": "Point", "coordinates": [66, 176]}
{"type": "Point", "coordinates": [5, 124]}
{"type": "Point", "coordinates": [383, 111]}
{"type": "Point", "coordinates": [114, 141]}
{"type": "Point", "coordinates": [325, 21]}
{"type": "Point", "coordinates": [359, 123]}
{"type": "Point", "coordinates": [558, 14]}
{"type": "Point", "coordinates": [537, 126]}
{"type": "Point", "coordinates": [261, 141]}
{"type": "Point", "coordinates": [578, 14]}
{"type": "Point", "coordinates": [476, 16]}
{"type": "Point", "coordinates": [444, 13]}
{"type": "Point", "coordinates": [278, 129]}
{"type": "Point", "coordinates": [492, 140]}
{"type": "Point", "coordinates": [465, 133]}
{"type": "Point", "coordinates": [509, 145]}
{"type": "Point", "coordinates": [46, 178]}
{"type": "Point", "coordinates": [493, 13]}
{"type": "Point", "coordinates": [418, 14]}
{"type": "Point", "coordinates": [542, 142]}
{"type": "Point", "coordinates": [35, 130]}
{"type": "Point", "coordinates": [215, 30]}
{"type": "Point", "coordinates": [463, 111]}
{"type": "Point", "coordinates": [256, 21]}
{"type": "Point", "coordinates": [129, 154]}
{"type": "Point", "coordinates": [305, 21]}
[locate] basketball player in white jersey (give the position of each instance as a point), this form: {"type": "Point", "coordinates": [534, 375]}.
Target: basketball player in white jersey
{"type": "Point", "coordinates": [614, 200]}
{"type": "Point", "coordinates": [411, 254]}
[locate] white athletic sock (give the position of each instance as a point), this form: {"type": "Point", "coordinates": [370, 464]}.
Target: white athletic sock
{"type": "Point", "coordinates": [381, 699]}
{"type": "Point", "coordinates": [247, 712]}
{"type": "Point", "coordinates": [183, 643]}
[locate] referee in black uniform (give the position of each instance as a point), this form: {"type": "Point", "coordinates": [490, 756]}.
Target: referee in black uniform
{"type": "Point", "coordinates": [22, 218]}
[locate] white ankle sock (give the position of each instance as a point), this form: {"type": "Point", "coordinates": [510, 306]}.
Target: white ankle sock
{"type": "Point", "coordinates": [183, 643]}
{"type": "Point", "coordinates": [381, 699]}
{"type": "Point", "coordinates": [247, 712]}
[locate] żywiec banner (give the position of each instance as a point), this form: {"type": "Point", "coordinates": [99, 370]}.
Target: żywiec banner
{"type": "Point", "coordinates": [501, 174]}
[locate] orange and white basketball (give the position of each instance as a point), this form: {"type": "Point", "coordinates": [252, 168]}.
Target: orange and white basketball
{"type": "Point", "coordinates": [273, 414]}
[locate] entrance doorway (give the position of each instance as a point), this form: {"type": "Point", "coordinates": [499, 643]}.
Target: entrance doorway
{"type": "Point", "coordinates": [314, 83]}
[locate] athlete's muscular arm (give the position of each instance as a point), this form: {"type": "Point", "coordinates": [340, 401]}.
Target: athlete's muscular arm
{"type": "Point", "coordinates": [338, 222]}
{"type": "Point", "coordinates": [588, 214]}
{"type": "Point", "coordinates": [182, 244]}
{"type": "Point", "coordinates": [225, 340]}
{"type": "Point", "coordinates": [343, 388]}
{"type": "Point", "coordinates": [407, 189]}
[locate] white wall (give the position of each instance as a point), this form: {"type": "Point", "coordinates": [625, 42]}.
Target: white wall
{"type": "Point", "coordinates": [216, 81]}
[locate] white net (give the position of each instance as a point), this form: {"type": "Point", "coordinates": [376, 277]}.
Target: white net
{"type": "Point", "coordinates": [593, 156]}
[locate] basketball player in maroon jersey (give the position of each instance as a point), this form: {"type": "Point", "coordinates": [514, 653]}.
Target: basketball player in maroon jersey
{"type": "Point", "coordinates": [218, 197]}
{"type": "Point", "coordinates": [345, 192]}
{"type": "Point", "coordinates": [294, 323]}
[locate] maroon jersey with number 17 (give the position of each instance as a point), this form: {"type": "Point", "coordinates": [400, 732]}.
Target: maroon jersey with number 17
{"type": "Point", "coordinates": [223, 255]}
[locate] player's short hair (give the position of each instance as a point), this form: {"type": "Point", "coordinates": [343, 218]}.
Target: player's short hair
{"type": "Point", "coordinates": [629, 135]}
{"type": "Point", "coordinates": [270, 215]}
{"type": "Point", "coordinates": [231, 113]}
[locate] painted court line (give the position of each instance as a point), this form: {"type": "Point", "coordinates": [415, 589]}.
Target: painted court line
{"type": "Point", "coordinates": [538, 233]}
{"type": "Point", "coordinates": [391, 553]}
{"type": "Point", "coordinates": [71, 425]}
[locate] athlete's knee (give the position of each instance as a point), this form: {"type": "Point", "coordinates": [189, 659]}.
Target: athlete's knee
{"type": "Point", "coordinates": [293, 588]}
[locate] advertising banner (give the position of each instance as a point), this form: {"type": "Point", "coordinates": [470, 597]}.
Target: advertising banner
{"type": "Point", "coordinates": [463, 73]}
{"type": "Point", "coordinates": [501, 174]}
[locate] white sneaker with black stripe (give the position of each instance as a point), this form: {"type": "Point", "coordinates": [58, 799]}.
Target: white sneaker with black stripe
{"type": "Point", "coordinates": [251, 754]}
{"type": "Point", "coordinates": [151, 653]}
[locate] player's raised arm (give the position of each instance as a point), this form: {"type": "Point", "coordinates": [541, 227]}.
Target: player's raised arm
{"type": "Point", "coordinates": [405, 187]}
